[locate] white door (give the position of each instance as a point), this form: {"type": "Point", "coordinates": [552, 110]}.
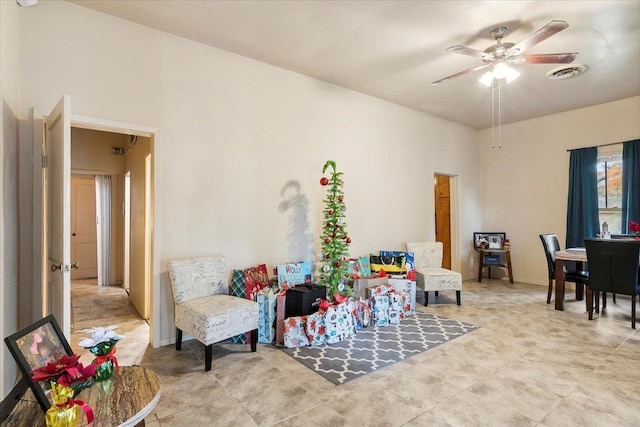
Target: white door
{"type": "Point", "coordinates": [58, 230]}
{"type": "Point", "coordinates": [84, 236]}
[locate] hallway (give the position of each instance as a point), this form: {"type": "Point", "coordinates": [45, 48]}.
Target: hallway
{"type": "Point", "coordinates": [94, 306]}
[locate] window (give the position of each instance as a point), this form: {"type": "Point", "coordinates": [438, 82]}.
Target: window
{"type": "Point", "coordinates": [610, 191]}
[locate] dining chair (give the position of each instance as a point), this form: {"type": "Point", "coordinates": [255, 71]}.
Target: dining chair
{"type": "Point", "coordinates": [613, 267]}
{"type": "Point", "coordinates": [551, 246]}
{"type": "Point", "coordinates": [203, 309]}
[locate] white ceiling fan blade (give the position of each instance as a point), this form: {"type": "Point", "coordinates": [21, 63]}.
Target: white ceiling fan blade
{"type": "Point", "coordinates": [461, 73]}
{"type": "Point", "coordinates": [543, 33]}
{"type": "Point", "coordinates": [549, 58]}
{"type": "Point", "coordinates": [469, 51]}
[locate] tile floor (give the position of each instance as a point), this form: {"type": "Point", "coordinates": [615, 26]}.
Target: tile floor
{"type": "Point", "coordinates": [528, 365]}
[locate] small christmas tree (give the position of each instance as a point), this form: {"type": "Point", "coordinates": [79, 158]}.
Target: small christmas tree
{"type": "Point", "coordinates": [335, 241]}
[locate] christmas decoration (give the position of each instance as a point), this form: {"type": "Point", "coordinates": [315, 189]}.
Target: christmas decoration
{"type": "Point", "coordinates": [335, 241]}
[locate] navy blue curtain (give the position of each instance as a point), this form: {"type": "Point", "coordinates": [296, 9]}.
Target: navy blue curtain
{"type": "Point", "coordinates": [582, 206]}
{"type": "Point", "coordinates": [630, 183]}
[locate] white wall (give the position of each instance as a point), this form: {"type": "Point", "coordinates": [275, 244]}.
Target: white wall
{"type": "Point", "coordinates": [9, 124]}
{"type": "Point", "coordinates": [526, 180]}
{"type": "Point", "coordinates": [234, 131]}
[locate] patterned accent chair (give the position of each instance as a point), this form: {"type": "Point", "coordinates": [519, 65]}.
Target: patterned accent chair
{"type": "Point", "coordinates": [430, 274]}
{"type": "Point", "coordinates": [203, 307]}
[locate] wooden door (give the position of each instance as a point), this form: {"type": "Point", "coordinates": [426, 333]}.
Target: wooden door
{"type": "Point", "coordinates": [57, 219]}
{"type": "Point", "coordinates": [84, 248]}
{"type": "Point", "coordinates": [442, 192]}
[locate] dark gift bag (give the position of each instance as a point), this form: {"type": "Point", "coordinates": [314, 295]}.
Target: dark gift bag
{"type": "Point", "coordinates": [302, 299]}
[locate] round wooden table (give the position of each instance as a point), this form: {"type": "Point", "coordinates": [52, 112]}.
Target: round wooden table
{"type": "Point", "coordinates": [123, 400]}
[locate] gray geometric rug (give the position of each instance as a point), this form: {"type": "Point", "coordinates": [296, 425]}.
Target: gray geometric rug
{"type": "Point", "coordinates": [374, 348]}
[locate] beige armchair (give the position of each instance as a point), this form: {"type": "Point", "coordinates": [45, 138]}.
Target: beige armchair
{"type": "Point", "coordinates": [203, 308]}
{"type": "Point", "coordinates": [430, 274]}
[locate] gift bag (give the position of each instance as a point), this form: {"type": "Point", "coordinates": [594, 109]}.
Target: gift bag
{"type": "Point", "coordinates": [266, 317]}
{"type": "Point", "coordinates": [238, 288]}
{"type": "Point", "coordinates": [280, 309]}
{"type": "Point", "coordinates": [380, 310]}
{"type": "Point", "coordinates": [295, 273]}
{"type": "Point", "coordinates": [408, 257]}
{"type": "Point", "coordinates": [365, 266]}
{"type": "Point", "coordinates": [294, 332]}
{"type": "Point", "coordinates": [315, 329]}
{"type": "Point", "coordinates": [389, 264]}
{"type": "Point", "coordinates": [396, 311]}
{"type": "Point", "coordinates": [363, 313]}
{"type": "Point", "coordinates": [256, 279]}
{"type": "Point", "coordinates": [304, 299]}
{"type": "Point", "coordinates": [338, 322]}
{"type": "Point", "coordinates": [406, 288]}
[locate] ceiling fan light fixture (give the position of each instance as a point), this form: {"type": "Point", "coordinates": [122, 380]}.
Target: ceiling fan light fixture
{"type": "Point", "coordinates": [500, 71]}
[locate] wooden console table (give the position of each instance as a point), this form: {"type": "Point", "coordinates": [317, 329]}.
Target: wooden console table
{"type": "Point", "coordinates": [123, 400]}
{"type": "Point", "coordinates": [482, 263]}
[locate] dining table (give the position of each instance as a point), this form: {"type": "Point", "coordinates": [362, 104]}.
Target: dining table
{"type": "Point", "coordinates": [577, 255]}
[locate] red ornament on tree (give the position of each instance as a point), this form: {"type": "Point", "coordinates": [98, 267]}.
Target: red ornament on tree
{"type": "Point", "coordinates": [327, 240]}
{"type": "Point", "coordinates": [324, 181]}
{"type": "Point", "coordinates": [330, 212]}
{"type": "Point", "coordinates": [338, 265]}
{"type": "Point", "coordinates": [348, 239]}
{"type": "Point", "coordinates": [340, 199]}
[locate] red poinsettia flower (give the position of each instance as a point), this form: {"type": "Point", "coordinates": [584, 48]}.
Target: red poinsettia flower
{"type": "Point", "coordinates": [634, 227]}
{"type": "Point", "coordinates": [77, 374]}
{"type": "Point", "coordinates": [55, 369]}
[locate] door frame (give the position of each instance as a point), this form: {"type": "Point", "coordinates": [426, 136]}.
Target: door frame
{"type": "Point", "coordinates": [39, 117]}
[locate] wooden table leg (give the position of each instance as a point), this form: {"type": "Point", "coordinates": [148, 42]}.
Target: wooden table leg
{"type": "Point", "coordinates": [480, 266]}
{"type": "Point", "coordinates": [579, 287]}
{"type": "Point", "coordinates": [509, 267]}
{"type": "Point", "coordinates": [560, 285]}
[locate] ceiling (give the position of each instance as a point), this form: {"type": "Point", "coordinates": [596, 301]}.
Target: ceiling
{"type": "Point", "coordinates": [394, 49]}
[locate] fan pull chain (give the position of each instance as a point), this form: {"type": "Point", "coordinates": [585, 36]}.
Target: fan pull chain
{"type": "Point", "coordinates": [493, 115]}
{"type": "Point", "coordinates": [499, 116]}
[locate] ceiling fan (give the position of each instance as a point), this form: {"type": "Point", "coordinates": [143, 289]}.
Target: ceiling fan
{"type": "Point", "coordinates": [499, 55]}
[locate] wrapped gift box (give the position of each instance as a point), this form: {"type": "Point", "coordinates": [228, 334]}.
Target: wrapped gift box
{"type": "Point", "coordinates": [359, 285]}
{"type": "Point", "coordinates": [294, 332]}
{"type": "Point", "coordinates": [363, 313]}
{"type": "Point", "coordinates": [396, 309]}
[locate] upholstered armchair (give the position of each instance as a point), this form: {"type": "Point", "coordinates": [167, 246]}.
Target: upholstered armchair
{"type": "Point", "coordinates": [430, 274]}
{"type": "Point", "coordinates": [203, 308]}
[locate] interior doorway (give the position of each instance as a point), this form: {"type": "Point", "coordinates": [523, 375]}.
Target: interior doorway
{"type": "Point", "coordinates": [446, 218]}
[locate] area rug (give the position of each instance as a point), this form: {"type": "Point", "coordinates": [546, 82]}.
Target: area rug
{"type": "Point", "coordinates": [374, 348]}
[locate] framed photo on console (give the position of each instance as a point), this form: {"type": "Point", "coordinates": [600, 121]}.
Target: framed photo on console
{"type": "Point", "coordinates": [35, 346]}
{"type": "Point", "coordinates": [493, 240]}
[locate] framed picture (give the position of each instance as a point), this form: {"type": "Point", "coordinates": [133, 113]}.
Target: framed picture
{"type": "Point", "coordinates": [33, 347]}
{"type": "Point", "coordinates": [492, 240]}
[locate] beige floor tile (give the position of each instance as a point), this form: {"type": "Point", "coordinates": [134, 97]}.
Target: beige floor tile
{"type": "Point", "coordinates": [423, 392]}
{"type": "Point", "coordinates": [375, 406]}
{"type": "Point", "coordinates": [573, 413]}
{"type": "Point", "coordinates": [471, 409]}
{"type": "Point", "coordinates": [320, 416]}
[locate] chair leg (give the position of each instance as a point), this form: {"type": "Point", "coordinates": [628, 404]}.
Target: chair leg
{"type": "Point", "coordinates": [254, 340]}
{"type": "Point", "coordinates": [604, 300]}
{"type": "Point", "coordinates": [436, 293]}
{"type": "Point", "coordinates": [208, 354]}
{"type": "Point", "coordinates": [458, 297]}
{"type": "Point", "coordinates": [633, 311]}
{"type": "Point", "coordinates": [549, 291]}
{"type": "Point", "coordinates": [178, 339]}
{"type": "Point", "coordinates": [590, 302]}
{"type": "Point", "coordinates": [614, 297]}
{"type": "Point", "coordinates": [597, 303]}
{"type": "Point", "coordinates": [426, 298]}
